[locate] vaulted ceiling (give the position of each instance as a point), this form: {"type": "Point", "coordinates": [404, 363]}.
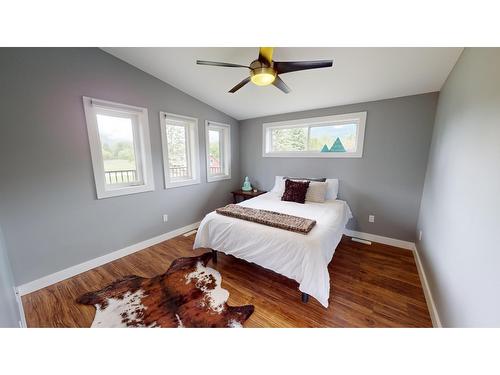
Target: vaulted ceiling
{"type": "Point", "coordinates": [358, 75]}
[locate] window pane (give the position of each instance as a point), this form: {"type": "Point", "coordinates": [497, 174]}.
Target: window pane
{"type": "Point", "coordinates": [118, 151]}
{"type": "Point", "coordinates": [215, 153]}
{"type": "Point", "coordinates": [292, 139]}
{"type": "Point", "coordinates": [333, 138]}
{"type": "Point", "coordinates": [178, 161]}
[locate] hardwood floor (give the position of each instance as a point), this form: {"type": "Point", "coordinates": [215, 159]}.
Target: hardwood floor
{"type": "Point", "coordinates": [371, 286]}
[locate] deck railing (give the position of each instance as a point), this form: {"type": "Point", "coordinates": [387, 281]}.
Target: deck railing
{"type": "Point", "coordinates": [215, 170]}
{"type": "Point", "coordinates": [120, 177]}
{"type": "Point", "coordinates": [183, 171]}
{"type": "Point", "coordinates": [178, 171]}
{"type": "Point", "coordinates": [130, 175]}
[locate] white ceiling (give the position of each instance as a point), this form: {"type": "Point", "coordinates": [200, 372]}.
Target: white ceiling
{"type": "Point", "coordinates": [358, 75]}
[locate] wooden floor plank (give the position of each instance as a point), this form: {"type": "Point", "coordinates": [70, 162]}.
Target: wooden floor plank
{"type": "Point", "coordinates": [371, 286]}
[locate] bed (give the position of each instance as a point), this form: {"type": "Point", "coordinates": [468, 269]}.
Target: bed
{"type": "Point", "coordinates": [301, 257]}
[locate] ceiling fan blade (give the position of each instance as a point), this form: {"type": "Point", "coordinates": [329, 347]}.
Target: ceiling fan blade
{"type": "Point", "coordinates": [278, 82]}
{"type": "Point", "coordinates": [239, 85]}
{"type": "Point", "coordinates": [223, 64]}
{"type": "Point", "coordinates": [266, 55]}
{"type": "Point", "coordinates": [294, 66]}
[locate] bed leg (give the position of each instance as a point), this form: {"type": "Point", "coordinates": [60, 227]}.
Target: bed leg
{"type": "Point", "coordinates": [305, 297]}
{"type": "Point", "coordinates": [214, 256]}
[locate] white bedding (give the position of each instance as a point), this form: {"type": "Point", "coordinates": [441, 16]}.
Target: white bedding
{"type": "Point", "coordinates": [300, 257]}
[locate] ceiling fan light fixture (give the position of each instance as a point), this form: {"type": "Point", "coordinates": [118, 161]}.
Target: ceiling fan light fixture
{"type": "Point", "coordinates": [263, 76]}
{"type": "Point", "coordinates": [265, 71]}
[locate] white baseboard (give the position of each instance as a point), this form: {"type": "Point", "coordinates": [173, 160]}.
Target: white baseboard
{"type": "Point", "coordinates": [45, 281]}
{"type": "Point", "coordinates": [380, 239]}
{"type": "Point", "coordinates": [436, 322]}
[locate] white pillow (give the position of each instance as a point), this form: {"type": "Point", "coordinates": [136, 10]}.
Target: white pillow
{"type": "Point", "coordinates": [331, 191]}
{"type": "Point", "coordinates": [333, 188]}
{"type": "Point", "coordinates": [316, 192]}
{"type": "Point", "coordinates": [279, 185]}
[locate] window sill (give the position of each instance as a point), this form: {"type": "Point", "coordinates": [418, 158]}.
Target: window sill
{"type": "Point", "coordinates": [218, 178]}
{"type": "Point", "coordinates": [125, 191]}
{"type": "Point", "coordinates": [313, 155]}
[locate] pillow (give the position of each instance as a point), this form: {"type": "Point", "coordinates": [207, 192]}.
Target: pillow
{"type": "Point", "coordinates": [318, 179]}
{"type": "Point", "coordinates": [279, 182]}
{"type": "Point", "coordinates": [333, 188]}
{"type": "Point", "coordinates": [295, 191]}
{"type": "Point", "coordinates": [331, 191]}
{"type": "Point", "coordinates": [316, 191]}
{"type": "Point", "coordinates": [279, 185]}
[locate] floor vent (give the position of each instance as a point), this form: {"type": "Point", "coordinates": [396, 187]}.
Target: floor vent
{"type": "Point", "coordinates": [190, 233]}
{"type": "Point", "coordinates": [361, 241]}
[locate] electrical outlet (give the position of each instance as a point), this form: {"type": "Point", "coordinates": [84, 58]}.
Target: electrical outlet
{"type": "Point", "coordinates": [165, 218]}
{"type": "Point", "coordinates": [420, 235]}
{"type": "Point", "coordinates": [371, 218]}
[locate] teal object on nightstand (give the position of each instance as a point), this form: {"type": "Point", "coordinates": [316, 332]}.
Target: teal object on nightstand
{"type": "Point", "coordinates": [325, 149]}
{"type": "Point", "coordinates": [246, 185]}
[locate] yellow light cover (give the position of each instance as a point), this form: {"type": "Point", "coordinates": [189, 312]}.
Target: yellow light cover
{"type": "Point", "coordinates": [263, 76]}
{"type": "Point", "coordinates": [263, 79]}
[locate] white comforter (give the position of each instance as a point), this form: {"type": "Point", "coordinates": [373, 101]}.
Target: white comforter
{"type": "Point", "coordinates": [303, 258]}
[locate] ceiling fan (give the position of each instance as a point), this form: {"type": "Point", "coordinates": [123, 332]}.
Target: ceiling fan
{"type": "Point", "coordinates": [265, 71]}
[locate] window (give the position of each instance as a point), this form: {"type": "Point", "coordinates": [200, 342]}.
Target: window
{"type": "Point", "coordinates": [179, 135]}
{"type": "Point", "coordinates": [120, 147]}
{"type": "Point", "coordinates": [339, 136]}
{"type": "Point", "coordinates": [218, 145]}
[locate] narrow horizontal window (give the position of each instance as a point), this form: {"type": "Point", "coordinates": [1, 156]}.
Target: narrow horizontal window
{"type": "Point", "coordinates": [120, 147]}
{"type": "Point", "coordinates": [218, 145]}
{"type": "Point", "coordinates": [180, 150]}
{"type": "Point", "coordinates": [338, 136]}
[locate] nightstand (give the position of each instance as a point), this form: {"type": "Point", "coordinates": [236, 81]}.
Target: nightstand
{"type": "Point", "coordinates": [244, 195]}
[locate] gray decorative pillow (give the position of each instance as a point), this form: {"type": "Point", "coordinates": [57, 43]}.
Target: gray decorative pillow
{"type": "Point", "coordinates": [318, 179]}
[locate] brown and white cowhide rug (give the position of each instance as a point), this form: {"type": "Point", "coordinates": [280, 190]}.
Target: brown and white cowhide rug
{"type": "Point", "coordinates": [189, 294]}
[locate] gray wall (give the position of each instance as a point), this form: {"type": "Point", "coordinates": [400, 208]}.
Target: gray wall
{"type": "Point", "coordinates": [387, 181]}
{"type": "Point", "coordinates": [48, 207]}
{"type": "Point", "coordinates": [9, 313]}
{"type": "Point", "coordinates": [461, 198]}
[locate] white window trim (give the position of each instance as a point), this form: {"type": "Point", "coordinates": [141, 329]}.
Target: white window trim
{"type": "Point", "coordinates": [194, 155]}
{"type": "Point", "coordinates": [226, 150]}
{"type": "Point", "coordinates": [143, 152]}
{"type": "Point", "coordinates": [359, 118]}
